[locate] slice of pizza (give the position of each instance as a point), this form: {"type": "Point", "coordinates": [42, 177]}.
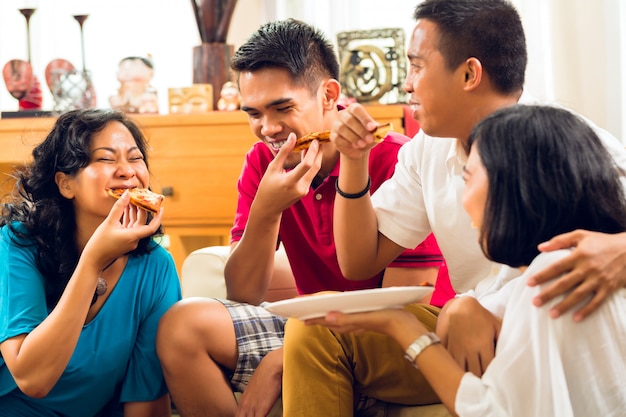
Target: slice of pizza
{"type": "Point", "coordinates": [324, 136]}
{"type": "Point", "coordinates": [140, 197]}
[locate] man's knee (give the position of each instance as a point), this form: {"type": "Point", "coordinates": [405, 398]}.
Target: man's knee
{"type": "Point", "coordinates": [425, 313]}
{"type": "Point", "coordinates": [190, 324]}
{"type": "Point", "coordinates": [300, 333]}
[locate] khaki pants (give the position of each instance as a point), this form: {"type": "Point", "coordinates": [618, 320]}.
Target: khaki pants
{"type": "Point", "coordinates": [323, 369]}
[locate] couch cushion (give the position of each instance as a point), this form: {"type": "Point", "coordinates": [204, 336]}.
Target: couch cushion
{"type": "Point", "coordinates": [202, 274]}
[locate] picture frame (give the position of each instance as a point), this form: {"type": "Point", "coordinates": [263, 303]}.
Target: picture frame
{"type": "Point", "coordinates": [373, 65]}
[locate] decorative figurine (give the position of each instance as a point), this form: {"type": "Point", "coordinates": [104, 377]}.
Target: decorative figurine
{"type": "Point", "coordinates": [229, 97]}
{"type": "Point", "coordinates": [135, 94]}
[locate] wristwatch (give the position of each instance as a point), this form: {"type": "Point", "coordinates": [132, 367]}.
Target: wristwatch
{"type": "Point", "coordinates": [418, 346]}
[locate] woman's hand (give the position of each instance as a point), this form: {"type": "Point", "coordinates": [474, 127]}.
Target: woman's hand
{"type": "Point", "coordinates": [398, 324]}
{"type": "Point", "coordinates": [435, 363]}
{"type": "Point", "coordinates": [121, 231]}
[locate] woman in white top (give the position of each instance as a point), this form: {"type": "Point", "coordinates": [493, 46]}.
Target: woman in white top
{"type": "Point", "coordinates": [533, 172]}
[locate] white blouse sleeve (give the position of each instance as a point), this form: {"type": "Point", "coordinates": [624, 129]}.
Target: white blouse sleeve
{"type": "Point", "coordinates": [551, 367]}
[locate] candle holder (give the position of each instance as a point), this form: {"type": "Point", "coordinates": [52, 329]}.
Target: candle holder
{"type": "Point", "coordinates": [27, 13]}
{"type": "Point", "coordinates": [80, 18]}
{"type": "Point", "coordinates": [71, 88]}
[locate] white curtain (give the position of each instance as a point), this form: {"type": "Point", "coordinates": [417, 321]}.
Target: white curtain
{"type": "Point", "coordinates": [577, 56]}
{"type": "Point", "coordinates": [334, 16]}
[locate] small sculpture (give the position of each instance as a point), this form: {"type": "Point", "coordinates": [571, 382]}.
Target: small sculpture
{"type": "Point", "coordinates": [229, 97]}
{"type": "Point", "coordinates": [135, 94]}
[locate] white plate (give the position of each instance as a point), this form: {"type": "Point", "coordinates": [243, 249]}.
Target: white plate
{"type": "Point", "coordinates": [312, 306]}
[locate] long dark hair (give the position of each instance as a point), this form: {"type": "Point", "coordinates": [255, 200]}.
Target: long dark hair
{"type": "Point", "coordinates": [489, 30]}
{"type": "Point", "coordinates": [549, 173]}
{"type": "Point", "coordinates": [38, 214]}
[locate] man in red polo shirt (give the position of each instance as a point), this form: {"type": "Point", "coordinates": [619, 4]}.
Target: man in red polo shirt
{"type": "Point", "coordinates": [287, 73]}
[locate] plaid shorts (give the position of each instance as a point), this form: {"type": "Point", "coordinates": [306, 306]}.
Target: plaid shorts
{"type": "Point", "coordinates": [257, 332]}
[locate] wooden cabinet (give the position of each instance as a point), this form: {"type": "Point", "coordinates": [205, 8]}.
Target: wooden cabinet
{"type": "Point", "coordinates": [18, 137]}
{"type": "Point", "coordinates": [195, 161]}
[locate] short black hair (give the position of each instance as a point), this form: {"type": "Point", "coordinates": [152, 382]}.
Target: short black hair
{"type": "Point", "coordinates": [488, 30]}
{"type": "Point", "coordinates": [548, 174]}
{"type": "Point", "coordinates": [298, 47]}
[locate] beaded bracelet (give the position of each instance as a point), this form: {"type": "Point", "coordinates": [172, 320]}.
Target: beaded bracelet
{"type": "Point", "coordinates": [355, 195]}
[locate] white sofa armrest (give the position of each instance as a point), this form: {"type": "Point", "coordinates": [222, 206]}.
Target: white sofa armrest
{"type": "Point", "coordinates": [202, 274]}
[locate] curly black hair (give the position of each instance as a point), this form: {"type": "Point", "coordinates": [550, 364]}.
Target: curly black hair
{"type": "Point", "coordinates": [39, 215]}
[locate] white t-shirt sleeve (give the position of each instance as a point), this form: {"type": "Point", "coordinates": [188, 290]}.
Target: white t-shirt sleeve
{"type": "Point", "coordinates": [399, 202]}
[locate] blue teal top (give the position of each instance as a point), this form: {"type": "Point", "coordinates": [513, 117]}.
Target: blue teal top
{"type": "Point", "coordinates": [115, 356]}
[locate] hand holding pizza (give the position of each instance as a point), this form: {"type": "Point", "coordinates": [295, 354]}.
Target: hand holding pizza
{"type": "Point", "coordinates": [121, 231]}
{"type": "Point", "coordinates": [279, 188]}
{"type": "Point", "coordinates": [355, 132]}
{"type": "Point", "coordinates": [140, 197]}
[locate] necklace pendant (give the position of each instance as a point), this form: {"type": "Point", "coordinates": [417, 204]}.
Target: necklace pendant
{"type": "Point", "coordinates": [101, 288]}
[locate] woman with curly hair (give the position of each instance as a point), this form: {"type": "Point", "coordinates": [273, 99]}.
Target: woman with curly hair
{"type": "Point", "coordinates": [83, 283]}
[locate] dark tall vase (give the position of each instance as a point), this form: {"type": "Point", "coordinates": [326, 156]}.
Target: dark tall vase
{"type": "Point", "coordinates": [211, 66]}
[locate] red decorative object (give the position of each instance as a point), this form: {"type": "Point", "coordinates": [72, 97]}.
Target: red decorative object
{"type": "Point", "coordinates": [19, 78]}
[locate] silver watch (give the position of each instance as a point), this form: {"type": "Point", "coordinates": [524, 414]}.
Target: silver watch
{"type": "Point", "coordinates": [419, 345]}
